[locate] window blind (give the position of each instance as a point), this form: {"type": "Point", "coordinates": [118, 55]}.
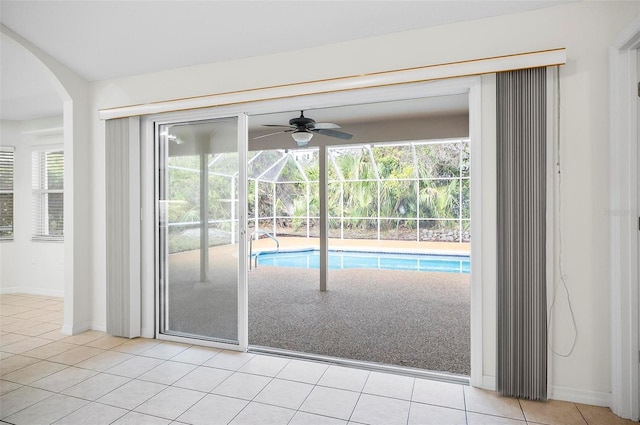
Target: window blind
{"type": "Point", "coordinates": [48, 194]}
{"type": "Point", "coordinates": [521, 369]}
{"type": "Point", "coordinates": [6, 192]}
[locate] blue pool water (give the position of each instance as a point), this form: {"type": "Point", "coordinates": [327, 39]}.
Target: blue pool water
{"type": "Point", "coordinates": [339, 260]}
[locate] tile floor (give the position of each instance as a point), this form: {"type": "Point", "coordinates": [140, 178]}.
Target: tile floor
{"type": "Point", "coordinates": [93, 378]}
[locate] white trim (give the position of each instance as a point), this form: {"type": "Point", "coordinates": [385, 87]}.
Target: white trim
{"type": "Point", "coordinates": [472, 67]}
{"type": "Point", "coordinates": [594, 398]}
{"type": "Point", "coordinates": [243, 265]}
{"type": "Point", "coordinates": [552, 213]}
{"type": "Point", "coordinates": [475, 146]}
{"type": "Point", "coordinates": [622, 214]}
{"type": "Point", "coordinates": [76, 328]}
{"type": "Point", "coordinates": [488, 383]}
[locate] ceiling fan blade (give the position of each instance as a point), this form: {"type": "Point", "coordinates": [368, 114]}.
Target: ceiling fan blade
{"type": "Point", "coordinates": [333, 133]}
{"type": "Point", "coordinates": [271, 134]}
{"type": "Point", "coordinates": [325, 125]}
{"type": "Point", "coordinates": [276, 125]}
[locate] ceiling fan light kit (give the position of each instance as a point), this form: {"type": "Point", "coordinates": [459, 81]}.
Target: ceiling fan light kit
{"type": "Point", "coordinates": [302, 137]}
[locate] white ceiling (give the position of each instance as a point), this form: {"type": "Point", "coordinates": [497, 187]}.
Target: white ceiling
{"type": "Point", "coordinates": [110, 39]}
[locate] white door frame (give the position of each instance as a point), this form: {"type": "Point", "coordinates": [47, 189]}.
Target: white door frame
{"type": "Point", "coordinates": [623, 218]}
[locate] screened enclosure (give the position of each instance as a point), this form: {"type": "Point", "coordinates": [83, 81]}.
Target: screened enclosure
{"type": "Point", "coordinates": [415, 191]}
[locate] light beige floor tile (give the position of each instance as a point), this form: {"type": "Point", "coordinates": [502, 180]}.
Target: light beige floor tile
{"type": "Point", "coordinates": [388, 385]}
{"type": "Point", "coordinates": [231, 360]}
{"type": "Point", "coordinates": [203, 379]}
{"type": "Point", "coordinates": [196, 355]}
{"type": "Point", "coordinates": [165, 350]}
{"type": "Point", "coordinates": [552, 412]}
{"type": "Point", "coordinates": [260, 413]}
{"type": "Point", "coordinates": [76, 355]}
{"type": "Point", "coordinates": [135, 366]}
{"type": "Point", "coordinates": [96, 386]}
{"type": "Point", "coordinates": [376, 410]}
{"type": "Point", "coordinates": [107, 342]}
{"type": "Point", "coordinates": [167, 373]}
{"type": "Point", "coordinates": [11, 310]}
{"type": "Point", "coordinates": [132, 394]}
{"type": "Point", "coordinates": [19, 325]}
{"type": "Point", "coordinates": [595, 415]}
{"type": "Point", "coordinates": [226, 408]}
{"type": "Point", "coordinates": [136, 346]}
{"type": "Point", "coordinates": [14, 363]}
{"type": "Point", "coordinates": [344, 378]}
{"type": "Point", "coordinates": [135, 418]}
{"type": "Point", "coordinates": [283, 393]}
{"type": "Point", "coordinates": [4, 355]}
{"type": "Point", "coordinates": [59, 381]}
{"type": "Point", "coordinates": [242, 385]}
{"type": "Point", "coordinates": [54, 335]}
{"type": "Point", "coordinates": [481, 419]}
{"type": "Point", "coordinates": [11, 338]}
{"type": "Point", "coordinates": [38, 329]}
{"type": "Point", "coordinates": [170, 403]}
{"type": "Point", "coordinates": [330, 402]}
{"type": "Point", "coordinates": [264, 365]}
{"type": "Point", "coordinates": [33, 372]}
{"type": "Point", "coordinates": [85, 337]}
{"type": "Point", "coordinates": [303, 371]}
{"type": "Point", "coordinates": [426, 414]}
{"type": "Point", "coordinates": [21, 398]}
{"type": "Point", "coordinates": [47, 411]}
{"type": "Point", "coordinates": [8, 386]}
{"type": "Point", "coordinates": [438, 393]}
{"type": "Point", "coordinates": [304, 418]}
{"type": "Point", "coordinates": [104, 361]}
{"type": "Point", "coordinates": [25, 345]}
{"type": "Point", "coordinates": [49, 350]}
{"type": "Point", "coordinates": [32, 313]}
{"type": "Point", "coordinates": [52, 316]}
{"type": "Point", "coordinates": [490, 403]}
{"type": "Point", "coordinates": [93, 414]}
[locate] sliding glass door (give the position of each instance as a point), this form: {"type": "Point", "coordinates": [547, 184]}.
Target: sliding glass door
{"type": "Point", "coordinates": [201, 238]}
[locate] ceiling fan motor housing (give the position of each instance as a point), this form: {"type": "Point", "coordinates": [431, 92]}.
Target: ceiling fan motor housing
{"type": "Point", "coordinates": [302, 123]}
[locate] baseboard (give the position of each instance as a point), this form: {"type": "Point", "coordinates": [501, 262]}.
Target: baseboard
{"type": "Point", "coordinates": [147, 333]}
{"type": "Point", "coordinates": [488, 383]}
{"type": "Point", "coordinates": [102, 327]}
{"type": "Point", "coordinates": [595, 398]}
{"type": "Point", "coordinates": [32, 291]}
{"type": "Point", "coordinates": [69, 329]}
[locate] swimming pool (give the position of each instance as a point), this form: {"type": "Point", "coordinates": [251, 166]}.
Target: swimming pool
{"type": "Point", "coordinates": [340, 260]}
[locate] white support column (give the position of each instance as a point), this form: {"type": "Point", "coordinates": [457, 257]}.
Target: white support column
{"type": "Point", "coordinates": [324, 213]}
{"type": "Point", "coordinates": [204, 218]}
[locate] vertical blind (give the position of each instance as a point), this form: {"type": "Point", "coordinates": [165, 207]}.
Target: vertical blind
{"type": "Point", "coordinates": [48, 194]}
{"type": "Point", "coordinates": [521, 269]}
{"type": "Point", "coordinates": [6, 193]}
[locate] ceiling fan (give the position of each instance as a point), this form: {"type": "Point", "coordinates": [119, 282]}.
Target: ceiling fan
{"type": "Point", "coordinates": [303, 128]}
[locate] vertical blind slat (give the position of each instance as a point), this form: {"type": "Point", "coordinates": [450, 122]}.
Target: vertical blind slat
{"type": "Point", "coordinates": [521, 286]}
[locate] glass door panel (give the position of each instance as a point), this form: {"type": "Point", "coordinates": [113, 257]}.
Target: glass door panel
{"type": "Point", "coordinates": [199, 230]}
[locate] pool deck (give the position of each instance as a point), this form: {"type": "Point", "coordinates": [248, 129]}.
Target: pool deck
{"type": "Point", "coordinates": [294, 243]}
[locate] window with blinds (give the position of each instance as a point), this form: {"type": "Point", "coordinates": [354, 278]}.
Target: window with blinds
{"type": "Point", "coordinates": [6, 193]}
{"type": "Point", "coordinates": [48, 194]}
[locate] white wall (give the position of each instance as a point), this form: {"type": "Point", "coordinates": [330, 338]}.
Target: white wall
{"type": "Point", "coordinates": [26, 266]}
{"type": "Point", "coordinates": [585, 28]}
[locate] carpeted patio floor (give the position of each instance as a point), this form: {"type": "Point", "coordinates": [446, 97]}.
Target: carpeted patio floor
{"type": "Point", "coordinates": [404, 318]}
{"type": "Point", "coordinates": [414, 319]}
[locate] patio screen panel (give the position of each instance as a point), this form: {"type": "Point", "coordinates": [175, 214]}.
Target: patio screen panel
{"type": "Point", "coordinates": [521, 267]}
